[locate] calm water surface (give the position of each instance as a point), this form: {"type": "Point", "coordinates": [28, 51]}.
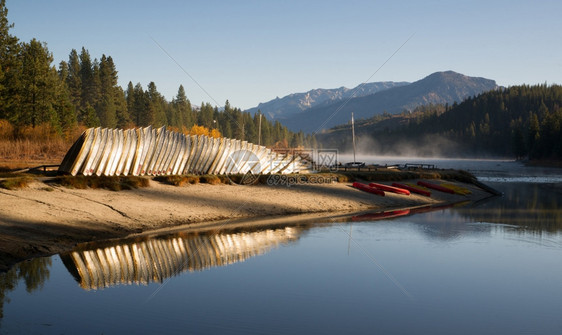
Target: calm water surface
{"type": "Point", "coordinates": [493, 267]}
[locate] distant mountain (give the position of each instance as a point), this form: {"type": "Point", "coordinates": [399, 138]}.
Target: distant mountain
{"type": "Point", "coordinates": [437, 88]}
{"type": "Point", "coordinates": [282, 108]}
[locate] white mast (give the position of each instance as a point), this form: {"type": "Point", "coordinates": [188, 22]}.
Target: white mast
{"type": "Point", "coordinates": [353, 136]}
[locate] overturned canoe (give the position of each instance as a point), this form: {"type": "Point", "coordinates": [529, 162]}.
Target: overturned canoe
{"type": "Point", "coordinates": [413, 189]}
{"type": "Point", "coordinates": [457, 189]}
{"type": "Point", "coordinates": [388, 188]}
{"type": "Point", "coordinates": [435, 187]}
{"type": "Point", "coordinates": [369, 189]}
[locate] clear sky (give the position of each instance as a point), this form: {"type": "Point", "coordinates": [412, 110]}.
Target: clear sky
{"type": "Point", "coordinates": [252, 51]}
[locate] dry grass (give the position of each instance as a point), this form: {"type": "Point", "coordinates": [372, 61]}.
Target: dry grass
{"type": "Point", "coordinates": [15, 183]}
{"type": "Point", "coordinates": [27, 146]}
{"type": "Point", "coordinates": [210, 179]}
{"type": "Point", "coordinates": [116, 183]}
{"type": "Point", "coordinates": [178, 180]}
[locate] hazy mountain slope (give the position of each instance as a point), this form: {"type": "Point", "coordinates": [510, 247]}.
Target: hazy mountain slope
{"type": "Point", "coordinates": [437, 88]}
{"type": "Point", "coordinates": [519, 122]}
{"type": "Point", "coordinates": [282, 108]}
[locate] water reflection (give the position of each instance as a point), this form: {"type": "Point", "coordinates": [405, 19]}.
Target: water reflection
{"type": "Point", "coordinates": [100, 265]}
{"type": "Point", "coordinates": [533, 206]}
{"type": "Point", "coordinates": [34, 274]}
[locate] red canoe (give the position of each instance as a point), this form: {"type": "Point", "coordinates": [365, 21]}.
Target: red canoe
{"type": "Point", "coordinates": [390, 188]}
{"type": "Point", "coordinates": [369, 189]}
{"type": "Point", "coordinates": [413, 189]}
{"type": "Point", "coordinates": [436, 187]}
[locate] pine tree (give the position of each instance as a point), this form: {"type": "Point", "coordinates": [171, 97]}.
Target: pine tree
{"type": "Point", "coordinates": [172, 115]}
{"type": "Point", "coordinates": [130, 101]}
{"type": "Point", "coordinates": [10, 65]}
{"type": "Point", "coordinates": [89, 76]}
{"type": "Point", "coordinates": [140, 106]}
{"type": "Point", "coordinates": [266, 137]}
{"type": "Point", "coordinates": [106, 109]}
{"type": "Point", "coordinates": [183, 108]}
{"type": "Point", "coordinates": [156, 114]}
{"type": "Point", "coordinates": [73, 79]}
{"type": "Point", "coordinates": [533, 134]}
{"type": "Point", "coordinates": [88, 116]}
{"type": "Point", "coordinates": [237, 125]}
{"type": "Point", "coordinates": [65, 109]}
{"type": "Point", "coordinates": [250, 130]}
{"type": "Point", "coordinates": [121, 109]}
{"type": "Point", "coordinates": [38, 82]}
{"type": "Point", "coordinates": [205, 117]}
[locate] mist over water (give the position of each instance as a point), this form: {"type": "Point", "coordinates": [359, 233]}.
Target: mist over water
{"type": "Point", "coordinates": [428, 146]}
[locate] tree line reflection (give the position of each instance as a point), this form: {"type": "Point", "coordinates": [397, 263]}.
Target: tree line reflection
{"type": "Point", "coordinates": [34, 273]}
{"type": "Point", "coordinates": [534, 207]}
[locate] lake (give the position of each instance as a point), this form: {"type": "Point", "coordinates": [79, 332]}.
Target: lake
{"type": "Point", "coordinates": [492, 267]}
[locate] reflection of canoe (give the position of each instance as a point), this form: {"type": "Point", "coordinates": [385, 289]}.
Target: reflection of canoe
{"type": "Point", "coordinates": [145, 260]}
{"type": "Point", "coordinates": [433, 208]}
{"type": "Point", "coordinates": [413, 189]}
{"type": "Point", "coordinates": [435, 187]}
{"type": "Point", "coordinates": [392, 189]}
{"type": "Point", "coordinates": [381, 215]}
{"type": "Point", "coordinates": [369, 189]}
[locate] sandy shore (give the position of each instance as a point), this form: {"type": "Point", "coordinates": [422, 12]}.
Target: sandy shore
{"type": "Point", "coordinates": [44, 219]}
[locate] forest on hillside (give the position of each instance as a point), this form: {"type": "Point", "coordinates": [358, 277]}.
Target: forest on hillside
{"type": "Point", "coordinates": [519, 121]}
{"type": "Point", "coordinates": [83, 92]}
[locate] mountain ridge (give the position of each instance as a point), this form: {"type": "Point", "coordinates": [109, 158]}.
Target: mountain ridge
{"type": "Point", "coordinates": [445, 87]}
{"type": "Point", "coordinates": [282, 108]}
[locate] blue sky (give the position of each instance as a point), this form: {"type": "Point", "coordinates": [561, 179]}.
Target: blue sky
{"type": "Point", "coordinates": [252, 51]}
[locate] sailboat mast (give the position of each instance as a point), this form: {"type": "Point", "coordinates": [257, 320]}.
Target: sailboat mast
{"type": "Point", "coordinates": [353, 136]}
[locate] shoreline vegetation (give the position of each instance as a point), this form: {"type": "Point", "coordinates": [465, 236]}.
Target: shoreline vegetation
{"type": "Point", "coordinates": [45, 214]}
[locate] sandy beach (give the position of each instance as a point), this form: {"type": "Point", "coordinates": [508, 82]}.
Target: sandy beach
{"type": "Point", "coordinates": [43, 219]}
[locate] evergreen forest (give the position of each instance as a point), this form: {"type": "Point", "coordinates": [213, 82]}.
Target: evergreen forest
{"type": "Point", "coordinates": [522, 122]}
{"type": "Point", "coordinates": [83, 92]}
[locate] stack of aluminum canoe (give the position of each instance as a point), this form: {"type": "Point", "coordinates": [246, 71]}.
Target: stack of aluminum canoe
{"type": "Point", "coordinates": [154, 260]}
{"type": "Point", "coordinates": [150, 151]}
